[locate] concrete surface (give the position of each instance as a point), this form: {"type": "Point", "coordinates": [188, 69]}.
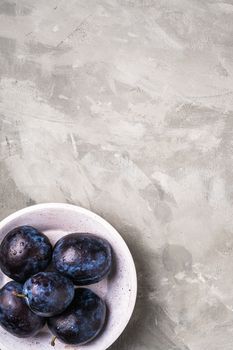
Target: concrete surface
{"type": "Point", "coordinates": [125, 107]}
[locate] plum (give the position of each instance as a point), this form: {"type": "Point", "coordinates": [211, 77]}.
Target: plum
{"type": "Point", "coordinates": [83, 257]}
{"type": "Point", "coordinates": [48, 293]}
{"type": "Point", "coordinates": [15, 315]}
{"type": "Point", "coordinates": [24, 251]}
{"type": "Point", "coordinates": [82, 321]}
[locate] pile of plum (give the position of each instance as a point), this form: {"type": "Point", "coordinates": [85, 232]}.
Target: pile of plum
{"type": "Point", "coordinates": [45, 292]}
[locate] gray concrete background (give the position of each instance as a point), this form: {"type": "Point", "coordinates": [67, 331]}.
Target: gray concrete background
{"type": "Point", "coordinates": [126, 108]}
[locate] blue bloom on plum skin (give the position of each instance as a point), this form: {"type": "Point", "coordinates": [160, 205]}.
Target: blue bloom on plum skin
{"type": "Point", "coordinates": [24, 251]}
{"type": "Point", "coordinates": [83, 257]}
{"type": "Point", "coordinates": [83, 319]}
{"type": "Point", "coordinates": [15, 316]}
{"type": "Point", "coordinates": [48, 293]}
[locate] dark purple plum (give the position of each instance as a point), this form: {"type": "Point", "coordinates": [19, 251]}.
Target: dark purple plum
{"type": "Point", "coordinates": [83, 257]}
{"type": "Point", "coordinates": [48, 293]}
{"type": "Point", "coordinates": [24, 251]}
{"type": "Point", "coordinates": [15, 315]}
{"type": "Point", "coordinates": [82, 321]}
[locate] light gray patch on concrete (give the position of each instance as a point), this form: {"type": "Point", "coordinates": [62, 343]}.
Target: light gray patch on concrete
{"type": "Point", "coordinates": [38, 49]}
{"type": "Point", "coordinates": [7, 52]}
{"type": "Point", "coordinates": [13, 8]}
{"type": "Point", "coordinates": [13, 198]}
{"type": "Point", "coordinates": [24, 10]}
{"type": "Point", "coordinates": [177, 259]}
{"type": "Point", "coordinates": [138, 3]}
{"type": "Point", "coordinates": [8, 8]}
{"type": "Point", "coordinates": [157, 203]}
{"type": "Point", "coordinates": [9, 138]}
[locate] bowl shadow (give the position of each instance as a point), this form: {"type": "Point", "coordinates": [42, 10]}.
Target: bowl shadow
{"type": "Point", "coordinates": [149, 327]}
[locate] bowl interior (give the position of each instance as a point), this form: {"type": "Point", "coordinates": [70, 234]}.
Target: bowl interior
{"type": "Point", "coordinates": [118, 290]}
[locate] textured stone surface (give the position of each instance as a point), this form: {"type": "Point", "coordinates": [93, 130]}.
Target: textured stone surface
{"type": "Point", "coordinates": [125, 107]}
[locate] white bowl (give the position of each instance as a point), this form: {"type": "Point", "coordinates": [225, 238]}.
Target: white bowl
{"type": "Point", "coordinates": [119, 289]}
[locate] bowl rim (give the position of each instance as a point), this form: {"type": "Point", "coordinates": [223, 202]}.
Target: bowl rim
{"type": "Point", "coordinates": [109, 227]}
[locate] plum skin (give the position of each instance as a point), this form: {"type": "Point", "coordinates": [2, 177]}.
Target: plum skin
{"type": "Point", "coordinates": [82, 321]}
{"type": "Point", "coordinates": [15, 316]}
{"type": "Point", "coordinates": [83, 257]}
{"type": "Point", "coordinates": [24, 251]}
{"type": "Point", "coordinates": [48, 293]}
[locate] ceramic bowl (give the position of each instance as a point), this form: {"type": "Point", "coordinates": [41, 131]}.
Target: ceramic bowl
{"type": "Point", "coordinates": [119, 289]}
